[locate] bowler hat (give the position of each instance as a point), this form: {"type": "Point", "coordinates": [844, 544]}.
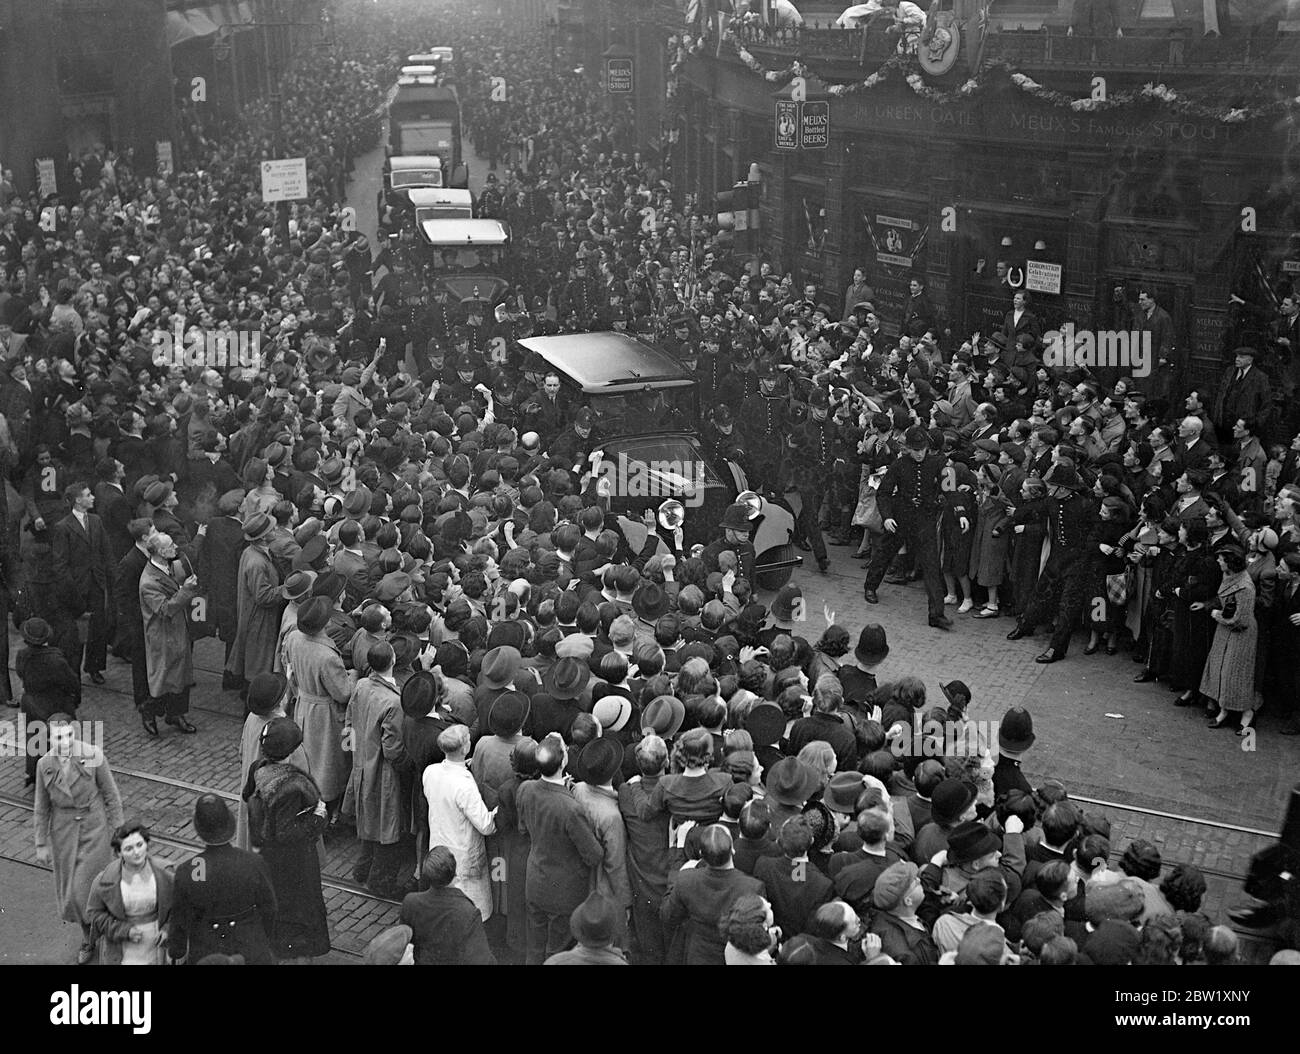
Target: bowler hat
{"type": "Point", "coordinates": [212, 820]}
{"type": "Point", "coordinates": [917, 438]}
{"type": "Point", "coordinates": [599, 760]}
{"type": "Point", "coordinates": [1016, 732]}
{"type": "Point", "coordinates": [264, 691]}
{"type": "Point", "coordinates": [765, 723]}
{"type": "Point", "coordinates": [950, 799]}
{"type": "Point", "coordinates": [969, 841]}
{"type": "Point", "coordinates": [37, 632]}
{"type": "Point", "coordinates": [664, 716]}
{"type": "Point", "coordinates": [565, 679]}
{"type": "Point", "coordinates": [791, 782]}
{"type": "Point", "coordinates": [872, 645]}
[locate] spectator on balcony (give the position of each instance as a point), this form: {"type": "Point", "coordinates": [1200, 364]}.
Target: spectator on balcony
{"type": "Point", "coordinates": [784, 15]}
{"type": "Point", "coordinates": [891, 16]}
{"type": "Point", "coordinates": [918, 312]}
{"type": "Point", "coordinates": [1094, 18]}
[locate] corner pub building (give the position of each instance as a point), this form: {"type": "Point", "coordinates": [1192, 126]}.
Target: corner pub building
{"type": "Point", "coordinates": [1187, 188]}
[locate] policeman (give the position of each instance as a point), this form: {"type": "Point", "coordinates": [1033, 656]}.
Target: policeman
{"type": "Point", "coordinates": [581, 296]}
{"type": "Point", "coordinates": [816, 450]}
{"type": "Point", "coordinates": [712, 367]}
{"type": "Point", "coordinates": [720, 436]}
{"type": "Point", "coordinates": [910, 498]}
{"type": "Point", "coordinates": [736, 530]}
{"type": "Point", "coordinates": [765, 424]}
{"type": "Point", "coordinates": [223, 901]}
{"type": "Point", "coordinates": [1062, 586]}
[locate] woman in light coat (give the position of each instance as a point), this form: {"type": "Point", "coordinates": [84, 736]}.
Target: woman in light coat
{"type": "Point", "coordinates": [459, 818]}
{"type": "Point", "coordinates": [130, 903]}
{"type": "Point", "coordinates": [1229, 677]}
{"type": "Point", "coordinates": [77, 808]}
{"type": "Point", "coordinates": [324, 686]}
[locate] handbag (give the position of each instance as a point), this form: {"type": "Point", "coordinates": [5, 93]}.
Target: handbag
{"type": "Point", "coordinates": [1117, 587]}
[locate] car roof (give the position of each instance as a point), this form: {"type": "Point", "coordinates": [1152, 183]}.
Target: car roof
{"type": "Point", "coordinates": [420, 70]}
{"type": "Point", "coordinates": [411, 162]}
{"type": "Point", "coordinates": [464, 232]}
{"type": "Point", "coordinates": [440, 196]}
{"type": "Point", "coordinates": [609, 361]}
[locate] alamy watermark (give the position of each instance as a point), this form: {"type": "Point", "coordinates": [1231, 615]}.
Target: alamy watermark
{"type": "Point", "coordinates": [627, 477]}
{"type": "Point", "coordinates": [1127, 350]}
{"type": "Point", "coordinates": [28, 737]}
{"type": "Point", "coordinates": [219, 349]}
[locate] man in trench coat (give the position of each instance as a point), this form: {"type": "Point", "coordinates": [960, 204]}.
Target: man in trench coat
{"type": "Point", "coordinates": [165, 606]}
{"type": "Point", "coordinates": [258, 605]}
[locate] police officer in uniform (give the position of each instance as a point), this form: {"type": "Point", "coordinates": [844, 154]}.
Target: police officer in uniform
{"type": "Point", "coordinates": [719, 434]}
{"type": "Point", "coordinates": [815, 451]}
{"type": "Point", "coordinates": [765, 422]}
{"type": "Point", "coordinates": [581, 296]}
{"type": "Point", "coordinates": [1063, 584]}
{"type": "Point", "coordinates": [736, 530]}
{"type": "Point", "coordinates": [224, 901]}
{"type": "Point", "coordinates": [910, 499]}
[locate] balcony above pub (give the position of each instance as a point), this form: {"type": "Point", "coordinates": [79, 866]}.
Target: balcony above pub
{"type": "Point", "coordinates": [1152, 37]}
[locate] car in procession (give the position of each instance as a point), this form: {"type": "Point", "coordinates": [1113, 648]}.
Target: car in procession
{"type": "Point", "coordinates": [645, 405]}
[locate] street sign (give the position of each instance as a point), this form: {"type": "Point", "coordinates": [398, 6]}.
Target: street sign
{"type": "Point", "coordinates": [618, 76]}
{"type": "Point", "coordinates": [787, 125]}
{"type": "Point", "coordinates": [46, 181]}
{"type": "Point", "coordinates": [814, 125]}
{"type": "Point", "coordinates": [284, 180]}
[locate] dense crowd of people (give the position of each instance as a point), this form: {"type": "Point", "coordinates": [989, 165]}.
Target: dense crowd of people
{"type": "Point", "coordinates": [553, 745]}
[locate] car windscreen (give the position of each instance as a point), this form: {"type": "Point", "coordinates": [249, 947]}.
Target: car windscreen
{"type": "Point", "coordinates": [631, 411]}
{"type": "Point", "coordinates": [667, 461]}
{"type": "Point", "coordinates": [488, 258]}
{"type": "Point", "coordinates": [418, 177]}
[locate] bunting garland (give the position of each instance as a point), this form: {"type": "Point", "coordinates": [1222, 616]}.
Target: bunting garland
{"type": "Point", "coordinates": [1189, 103]}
